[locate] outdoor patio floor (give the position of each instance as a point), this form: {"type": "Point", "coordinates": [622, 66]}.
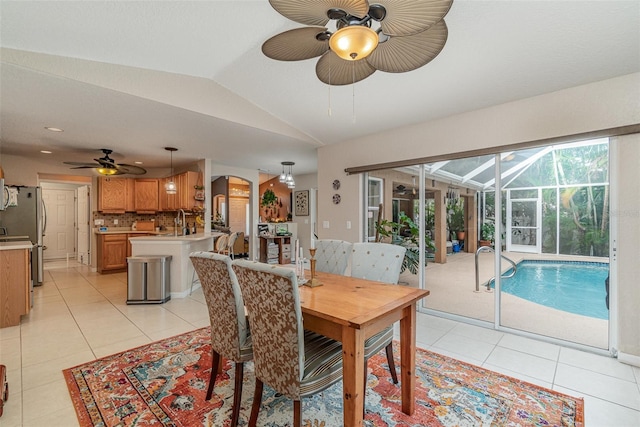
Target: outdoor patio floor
{"type": "Point", "coordinates": [452, 286]}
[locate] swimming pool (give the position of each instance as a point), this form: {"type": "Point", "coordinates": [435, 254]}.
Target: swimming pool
{"type": "Point", "coordinates": [573, 286]}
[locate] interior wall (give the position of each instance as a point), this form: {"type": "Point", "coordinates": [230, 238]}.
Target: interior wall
{"type": "Point", "coordinates": [306, 224]}
{"type": "Point", "coordinates": [596, 106]}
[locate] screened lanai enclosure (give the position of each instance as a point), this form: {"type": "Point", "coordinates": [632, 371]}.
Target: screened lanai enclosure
{"type": "Point", "coordinates": [539, 216]}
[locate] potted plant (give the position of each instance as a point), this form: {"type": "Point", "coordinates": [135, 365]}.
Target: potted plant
{"type": "Point", "coordinates": [269, 199]}
{"type": "Point", "coordinates": [455, 219]}
{"type": "Point", "coordinates": [391, 230]}
{"type": "Point", "coordinates": [487, 232]}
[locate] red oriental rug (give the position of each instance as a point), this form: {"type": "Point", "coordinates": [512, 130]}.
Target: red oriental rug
{"type": "Point", "coordinates": [165, 383]}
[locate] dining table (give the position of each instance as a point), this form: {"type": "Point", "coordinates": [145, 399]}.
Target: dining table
{"type": "Point", "coordinates": [350, 310]}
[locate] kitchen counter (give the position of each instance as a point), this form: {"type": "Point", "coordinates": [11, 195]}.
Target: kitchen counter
{"type": "Point", "coordinates": [20, 244]}
{"type": "Point", "coordinates": [128, 230]}
{"type": "Point", "coordinates": [171, 238]}
{"type": "Point", "coordinates": [179, 247]}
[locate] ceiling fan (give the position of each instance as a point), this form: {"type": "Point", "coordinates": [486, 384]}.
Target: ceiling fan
{"type": "Point", "coordinates": [387, 35]}
{"type": "Point", "coordinates": [107, 166]}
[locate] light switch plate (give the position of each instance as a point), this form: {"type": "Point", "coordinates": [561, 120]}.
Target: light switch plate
{"type": "Point", "coordinates": [98, 222]}
{"type": "Point", "coordinates": [325, 224]}
{"type": "Point", "coordinates": [115, 222]}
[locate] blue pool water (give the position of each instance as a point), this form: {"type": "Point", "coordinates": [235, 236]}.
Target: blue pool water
{"type": "Point", "coordinates": [575, 287]}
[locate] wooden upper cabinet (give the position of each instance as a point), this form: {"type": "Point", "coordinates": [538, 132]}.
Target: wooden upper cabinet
{"type": "Point", "coordinates": [130, 195]}
{"type": "Point", "coordinates": [112, 194]}
{"type": "Point", "coordinates": [167, 202]}
{"type": "Point", "coordinates": [184, 197]}
{"type": "Point", "coordinates": [146, 195]}
{"type": "Point", "coordinates": [186, 192]}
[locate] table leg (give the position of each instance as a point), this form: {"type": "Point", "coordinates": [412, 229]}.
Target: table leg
{"type": "Point", "coordinates": [353, 376]}
{"type": "Point", "coordinates": [408, 358]}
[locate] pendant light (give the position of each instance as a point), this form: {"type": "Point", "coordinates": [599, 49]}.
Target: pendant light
{"type": "Point", "coordinates": [287, 177]}
{"type": "Point", "coordinates": [170, 187]}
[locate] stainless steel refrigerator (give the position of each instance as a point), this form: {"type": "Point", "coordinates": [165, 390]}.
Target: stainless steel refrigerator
{"type": "Point", "coordinates": [27, 218]}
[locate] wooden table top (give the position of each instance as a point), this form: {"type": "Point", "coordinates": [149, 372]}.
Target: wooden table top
{"type": "Point", "coordinates": [355, 302]}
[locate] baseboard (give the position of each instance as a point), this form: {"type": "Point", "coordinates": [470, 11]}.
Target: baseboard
{"type": "Point", "coordinates": [629, 359]}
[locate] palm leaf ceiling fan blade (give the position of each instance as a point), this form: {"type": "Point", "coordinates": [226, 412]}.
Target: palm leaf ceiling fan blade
{"type": "Point", "coordinates": [333, 70]}
{"type": "Point", "coordinates": [296, 45]}
{"type": "Point", "coordinates": [130, 169]}
{"type": "Point", "coordinates": [401, 54]}
{"type": "Point", "coordinates": [409, 17]}
{"type": "Point", "coordinates": [314, 12]}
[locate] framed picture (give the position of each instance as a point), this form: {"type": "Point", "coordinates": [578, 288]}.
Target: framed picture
{"type": "Point", "coordinates": [302, 203]}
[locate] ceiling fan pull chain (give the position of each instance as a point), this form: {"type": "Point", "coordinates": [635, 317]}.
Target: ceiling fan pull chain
{"type": "Point", "coordinates": [329, 110]}
{"type": "Point", "coordinates": [353, 95]}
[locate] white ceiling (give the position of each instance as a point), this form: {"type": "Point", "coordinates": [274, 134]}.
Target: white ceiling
{"type": "Point", "coordinates": [138, 76]}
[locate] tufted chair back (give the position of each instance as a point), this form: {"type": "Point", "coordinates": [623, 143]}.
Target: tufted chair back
{"type": "Point", "coordinates": [377, 261]}
{"type": "Point", "coordinates": [332, 256]}
{"type": "Point", "coordinates": [273, 305]}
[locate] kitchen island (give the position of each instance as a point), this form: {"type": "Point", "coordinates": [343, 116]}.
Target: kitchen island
{"type": "Point", "coordinates": [179, 247]}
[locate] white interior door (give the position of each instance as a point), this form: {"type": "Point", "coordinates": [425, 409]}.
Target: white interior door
{"type": "Point", "coordinates": [84, 243]}
{"type": "Point", "coordinates": [60, 238]}
{"type": "Point", "coordinates": [238, 213]}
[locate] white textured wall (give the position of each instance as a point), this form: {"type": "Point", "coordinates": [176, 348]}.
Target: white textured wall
{"type": "Point", "coordinates": [601, 105]}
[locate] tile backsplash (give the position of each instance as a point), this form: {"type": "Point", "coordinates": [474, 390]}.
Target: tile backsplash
{"type": "Point", "coordinates": [162, 219]}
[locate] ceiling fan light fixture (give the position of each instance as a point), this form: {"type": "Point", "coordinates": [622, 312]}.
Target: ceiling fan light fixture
{"type": "Point", "coordinates": [107, 171]}
{"type": "Point", "coordinates": [353, 42]}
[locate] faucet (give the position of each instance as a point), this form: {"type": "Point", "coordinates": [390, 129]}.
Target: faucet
{"type": "Point", "coordinates": [182, 223]}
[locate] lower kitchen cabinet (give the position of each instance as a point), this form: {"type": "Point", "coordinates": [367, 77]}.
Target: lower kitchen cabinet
{"type": "Point", "coordinates": [112, 252]}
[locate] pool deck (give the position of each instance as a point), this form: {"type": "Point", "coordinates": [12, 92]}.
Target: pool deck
{"type": "Point", "coordinates": [452, 287]}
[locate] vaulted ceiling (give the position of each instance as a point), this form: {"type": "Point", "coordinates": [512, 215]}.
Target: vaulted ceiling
{"type": "Point", "coordinates": [138, 76]}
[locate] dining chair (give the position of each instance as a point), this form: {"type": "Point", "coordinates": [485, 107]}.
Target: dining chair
{"type": "Point", "coordinates": [221, 243]}
{"type": "Point", "coordinates": [292, 361]}
{"type": "Point", "coordinates": [230, 334]}
{"type": "Point", "coordinates": [332, 256]}
{"type": "Point", "coordinates": [231, 241]}
{"type": "Point", "coordinates": [381, 262]}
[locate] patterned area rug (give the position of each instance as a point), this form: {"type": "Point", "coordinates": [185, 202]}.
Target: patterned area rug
{"type": "Point", "coordinates": [165, 383]}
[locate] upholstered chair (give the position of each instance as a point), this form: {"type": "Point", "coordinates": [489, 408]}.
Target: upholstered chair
{"type": "Point", "coordinates": [230, 336]}
{"type": "Point", "coordinates": [230, 244]}
{"type": "Point", "coordinates": [292, 361]}
{"type": "Point", "coordinates": [332, 256]}
{"type": "Point", "coordinates": [221, 243]}
{"type": "Point", "coordinates": [381, 262]}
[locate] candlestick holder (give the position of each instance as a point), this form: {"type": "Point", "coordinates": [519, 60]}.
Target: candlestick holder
{"type": "Point", "coordinates": [313, 282]}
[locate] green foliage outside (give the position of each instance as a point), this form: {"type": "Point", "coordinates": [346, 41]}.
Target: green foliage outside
{"type": "Point", "coordinates": [405, 233]}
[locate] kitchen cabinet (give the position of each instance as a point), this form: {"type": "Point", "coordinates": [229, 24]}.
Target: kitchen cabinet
{"type": "Point", "coordinates": [146, 195]}
{"type": "Point", "coordinates": [112, 194]}
{"type": "Point", "coordinates": [120, 195]}
{"type": "Point", "coordinates": [167, 202]}
{"type": "Point", "coordinates": [186, 192]}
{"type": "Point", "coordinates": [15, 289]}
{"type": "Point", "coordinates": [112, 252]}
{"type": "Point", "coordinates": [184, 197]}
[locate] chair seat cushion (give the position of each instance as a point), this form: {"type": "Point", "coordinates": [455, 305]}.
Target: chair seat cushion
{"type": "Point", "coordinates": [322, 363]}
{"type": "Point", "coordinates": [377, 342]}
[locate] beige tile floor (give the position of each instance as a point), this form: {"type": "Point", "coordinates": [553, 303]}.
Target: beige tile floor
{"type": "Point", "coordinates": [79, 315]}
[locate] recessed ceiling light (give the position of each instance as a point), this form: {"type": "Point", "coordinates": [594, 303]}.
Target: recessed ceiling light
{"type": "Point", "coordinates": [53, 129]}
{"type": "Point", "coordinates": [45, 151]}
{"type": "Point", "coordinates": [138, 163]}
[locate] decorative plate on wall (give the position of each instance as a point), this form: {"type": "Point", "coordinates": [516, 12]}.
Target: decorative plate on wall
{"type": "Point", "coordinates": [336, 199]}
{"type": "Point", "coordinates": [302, 203]}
